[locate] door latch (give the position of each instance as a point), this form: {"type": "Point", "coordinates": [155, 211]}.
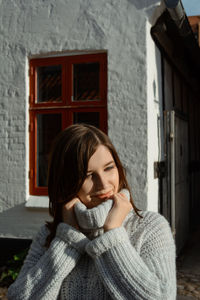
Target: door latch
{"type": "Point", "coordinates": [159, 169]}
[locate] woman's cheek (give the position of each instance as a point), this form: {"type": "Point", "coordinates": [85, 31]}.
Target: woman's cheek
{"type": "Point", "coordinates": [116, 180]}
{"type": "Point", "coordinates": [89, 184]}
{"type": "Point", "coordinates": [87, 187]}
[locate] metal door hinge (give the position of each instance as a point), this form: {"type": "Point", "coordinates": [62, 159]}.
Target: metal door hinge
{"type": "Point", "coordinates": [159, 169]}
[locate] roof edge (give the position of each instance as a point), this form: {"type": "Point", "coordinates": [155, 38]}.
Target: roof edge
{"type": "Point", "coordinates": [176, 11]}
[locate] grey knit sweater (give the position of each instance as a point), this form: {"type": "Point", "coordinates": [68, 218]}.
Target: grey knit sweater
{"type": "Point", "coordinates": [135, 261]}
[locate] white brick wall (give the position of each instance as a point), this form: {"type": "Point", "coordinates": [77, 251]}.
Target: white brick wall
{"type": "Point", "coordinates": [36, 27]}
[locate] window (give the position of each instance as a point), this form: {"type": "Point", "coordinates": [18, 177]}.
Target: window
{"type": "Point", "coordinates": [63, 91]}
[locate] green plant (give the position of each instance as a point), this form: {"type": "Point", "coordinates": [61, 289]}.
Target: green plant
{"type": "Point", "coordinates": [12, 267]}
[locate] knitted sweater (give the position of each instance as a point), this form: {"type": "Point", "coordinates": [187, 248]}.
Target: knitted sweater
{"type": "Point", "coordinates": [134, 261]}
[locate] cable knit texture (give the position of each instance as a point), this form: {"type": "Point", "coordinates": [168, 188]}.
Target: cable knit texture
{"type": "Point", "coordinates": [95, 218]}
{"type": "Point", "coordinates": [134, 261]}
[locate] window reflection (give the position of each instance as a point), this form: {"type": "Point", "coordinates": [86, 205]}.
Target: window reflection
{"type": "Point", "coordinates": [86, 82]}
{"type": "Point", "coordinates": [48, 126]}
{"type": "Point", "coordinates": [49, 84]}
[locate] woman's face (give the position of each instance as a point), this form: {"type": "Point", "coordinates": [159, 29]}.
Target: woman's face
{"type": "Point", "coordinates": [102, 179]}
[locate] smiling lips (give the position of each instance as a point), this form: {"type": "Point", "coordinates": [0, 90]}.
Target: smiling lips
{"type": "Point", "coordinates": [104, 196]}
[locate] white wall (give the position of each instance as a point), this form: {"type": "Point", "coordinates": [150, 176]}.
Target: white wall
{"type": "Point", "coordinates": [38, 27]}
{"type": "Point", "coordinates": [155, 116]}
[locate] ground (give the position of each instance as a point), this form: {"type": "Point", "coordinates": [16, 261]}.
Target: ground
{"type": "Point", "coordinates": [3, 292]}
{"type": "Point", "coordinates": [188, 285]}
{"type": "Point", "coordinates": [188, 269]}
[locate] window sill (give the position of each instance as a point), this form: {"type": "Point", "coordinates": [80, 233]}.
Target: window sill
{"type": "Point", "coordinates": [37, 202]}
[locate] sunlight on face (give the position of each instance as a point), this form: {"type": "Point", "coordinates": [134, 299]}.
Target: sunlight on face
{"type": "Point", "coordinates": [102, 179]}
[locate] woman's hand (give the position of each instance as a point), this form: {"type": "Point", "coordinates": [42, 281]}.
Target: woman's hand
{"type": "Point", "coordinates": [118, 213]}
{"type": "Point", "coordinates": [68, 214]}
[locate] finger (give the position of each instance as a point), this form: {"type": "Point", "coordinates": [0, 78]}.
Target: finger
{"type": "Point", "coordinates": [121, 202]}
{"type": "Point", "coordinates": [68, 214]}
{"type": "Point", "coordinates": [124, 197]}
{"type": "Point", "coordinates": [71, 203]}
{"type": "Point", "coordinates": [124, 194]}
{"type": "Point", "coordinates": [119, 197]}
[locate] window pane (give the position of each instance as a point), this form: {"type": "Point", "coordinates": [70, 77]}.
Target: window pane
{"type": "Point", "coordinates": [48, 126]}
{"type": "Point", "coordinates": [86, 81]}
{"type": "Point", "coordinates": [91, 118]}
{"type": "Point", "coordinates": [49, 84]}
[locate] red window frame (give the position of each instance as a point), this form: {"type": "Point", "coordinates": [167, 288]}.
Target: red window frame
{"type": "Point", "coordinates": [66, 107]}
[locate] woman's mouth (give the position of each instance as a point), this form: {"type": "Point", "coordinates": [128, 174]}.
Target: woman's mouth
{"type": "Point", "coordinates": [104, 196]}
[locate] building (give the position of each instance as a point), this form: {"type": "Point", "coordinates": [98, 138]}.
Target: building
{"type": "Point", "coordinates": [195, 25]}
{"type": "Point", "coordinates": [179, 188]}
{"type": "Point", "coordinates": [119, 65]}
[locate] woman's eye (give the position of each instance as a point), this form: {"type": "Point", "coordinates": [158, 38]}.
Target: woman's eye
{"type": "Point", "coordinates": [109, 168]}
{"type": "Point", "coordinates": [89, 175]}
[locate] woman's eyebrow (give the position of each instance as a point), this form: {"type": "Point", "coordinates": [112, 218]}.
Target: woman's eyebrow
{"type": "Point", "coordinates": [108, 163]}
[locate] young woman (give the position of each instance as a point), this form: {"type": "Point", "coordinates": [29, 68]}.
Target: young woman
{"type": "Point", "coordinates": [98, 246]}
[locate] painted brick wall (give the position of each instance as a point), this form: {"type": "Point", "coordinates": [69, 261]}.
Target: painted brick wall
{"type": "Point", "coordinates": [36, 27]}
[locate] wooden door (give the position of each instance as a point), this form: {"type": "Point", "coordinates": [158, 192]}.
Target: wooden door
{"type": "Point", "coordinates": [176, 200]}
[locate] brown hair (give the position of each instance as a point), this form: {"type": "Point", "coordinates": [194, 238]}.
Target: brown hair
{"type": "Point", "coordinates": [68, 165]}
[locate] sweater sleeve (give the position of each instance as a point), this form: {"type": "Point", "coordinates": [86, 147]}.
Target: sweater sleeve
{"type": "Point", "coordinates": [147, 274]}
{"type": "Point", "coordinates": [44, 269]}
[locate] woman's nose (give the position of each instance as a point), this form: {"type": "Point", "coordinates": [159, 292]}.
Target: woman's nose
{"type": "Point", "coordinates": [100, 181]}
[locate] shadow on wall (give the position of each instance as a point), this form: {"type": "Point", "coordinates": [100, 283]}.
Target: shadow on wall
{"type": "Point", "coordinates": [21, 222]}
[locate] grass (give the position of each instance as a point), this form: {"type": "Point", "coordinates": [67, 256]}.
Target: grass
{"type": "Point", "coordinates": [11, 268]}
